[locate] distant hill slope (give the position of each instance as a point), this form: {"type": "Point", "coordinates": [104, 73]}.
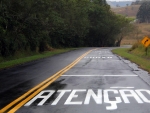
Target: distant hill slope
{"type": "Point", "coordinates": [120, 3]}
{"type": "Point", "coordinates": [129, 11]}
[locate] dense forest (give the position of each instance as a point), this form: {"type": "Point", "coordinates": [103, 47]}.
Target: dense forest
{"type": "Point", "coordinates": [37, 25]}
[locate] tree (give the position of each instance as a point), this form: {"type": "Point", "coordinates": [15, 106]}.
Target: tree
{"type": "Point", "coordinates": [34, 25]}
{"type": "Point", "coordinates": [143, 14]}
{"type": "Point", "coordinates": [124, 28]}
{"type": "Point", "coordinates": [135, 32]}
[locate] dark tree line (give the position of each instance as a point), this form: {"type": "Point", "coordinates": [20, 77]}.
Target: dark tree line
{"type": "Point", "coordinates": [143, 14]}
{"type": "Point", "coordinates": [36, 25]}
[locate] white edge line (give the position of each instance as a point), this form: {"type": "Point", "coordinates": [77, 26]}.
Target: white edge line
{"type": "Point", "coordinates": [122, 87]}
{"type": "Point", "coordinates": [120, 75]}
{"type": "Point", "coordinates": [101, 75]}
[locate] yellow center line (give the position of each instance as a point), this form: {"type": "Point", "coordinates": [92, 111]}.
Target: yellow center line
{"type": "Point", "coordinates": [30, 91]}
{"type": "Point", "coordinates": [41, 86]}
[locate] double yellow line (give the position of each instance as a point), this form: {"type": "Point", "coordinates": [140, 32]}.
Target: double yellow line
{"type": "Point", "coordinates": [19, 102]}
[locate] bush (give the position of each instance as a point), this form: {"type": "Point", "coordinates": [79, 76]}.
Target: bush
{"type": "Point", "coordinates": [134, 46]}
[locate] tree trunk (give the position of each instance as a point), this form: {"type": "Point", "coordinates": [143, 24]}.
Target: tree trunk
{"type": "Point", "coordinates": [119, 42]}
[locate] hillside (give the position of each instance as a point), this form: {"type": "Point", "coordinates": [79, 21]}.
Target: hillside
{"type": "Point", "coordinates": [121, 3]}
{"type": "Point", "coordinates": [129, 11]}
{"type": "Point", "coordinates": [142, 30]}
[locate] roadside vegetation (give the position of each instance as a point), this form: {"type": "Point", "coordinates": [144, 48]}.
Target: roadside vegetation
{"type": "Point", "coordinates": [24, 58]}
{"type": "Point", "coordinates": [38, 25]}
{"type": "Point", "coordinates": [136, 54]}
{"type": "Point", "coordinates": [30, 27]}
{"type": "Point", "coordinates": [140, 28]}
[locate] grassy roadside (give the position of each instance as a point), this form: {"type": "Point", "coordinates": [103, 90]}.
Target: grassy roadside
{"type": "Point", "coordinates": [15, 62]}
{"type": "Point", "coordinates": [143, 62]}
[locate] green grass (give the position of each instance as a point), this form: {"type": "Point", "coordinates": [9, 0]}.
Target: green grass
{"type": "Point", "coordinates": [140, 51]}
{"type": "Point", "coordinates": [143, 62]}
{"type": "Point", "coordinates": [131, 18]}
{"type": "Point", "coordinates": [11, 63]}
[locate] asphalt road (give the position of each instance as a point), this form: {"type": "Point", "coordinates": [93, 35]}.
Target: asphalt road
{"type": "Point", "coordinates": [97, 82]}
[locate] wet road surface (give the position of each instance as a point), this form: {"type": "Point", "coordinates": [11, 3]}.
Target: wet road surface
{"type": "Point", "coordinates": [99, 82]}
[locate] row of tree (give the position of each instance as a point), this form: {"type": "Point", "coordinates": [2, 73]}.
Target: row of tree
{"type": "Point", "coordinates": [34, 25]}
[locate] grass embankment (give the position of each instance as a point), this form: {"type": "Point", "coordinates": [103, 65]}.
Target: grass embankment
{"type": "Point", "coordinates": [136, 55]}
{"type": "Point", "coordinates": [14, 61]}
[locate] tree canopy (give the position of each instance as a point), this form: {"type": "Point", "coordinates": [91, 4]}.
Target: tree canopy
{"type": "Point", "coordinates": [143, 14]}
{"type": "Point", "coordinates": [34, 25]}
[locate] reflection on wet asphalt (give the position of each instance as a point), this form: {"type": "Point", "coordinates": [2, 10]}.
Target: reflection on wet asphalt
{"type": "Point", "coordinates": [92, 85]}
{"type": "Point", "coordinates": [16, 81]}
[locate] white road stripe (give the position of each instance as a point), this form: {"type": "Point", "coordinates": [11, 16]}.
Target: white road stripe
{"type": "Point", "coordinates": [102, 75]}
{"type": "Point", "coordinates": [122, 87]}
{"type": "Point", "coordinates": [120, 75]}
{"type": "Point", "coordinates": [98, 57]}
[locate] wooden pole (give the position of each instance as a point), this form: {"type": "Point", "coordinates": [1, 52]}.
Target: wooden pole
{"type": "Point", "coordinates": [146, 49]}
